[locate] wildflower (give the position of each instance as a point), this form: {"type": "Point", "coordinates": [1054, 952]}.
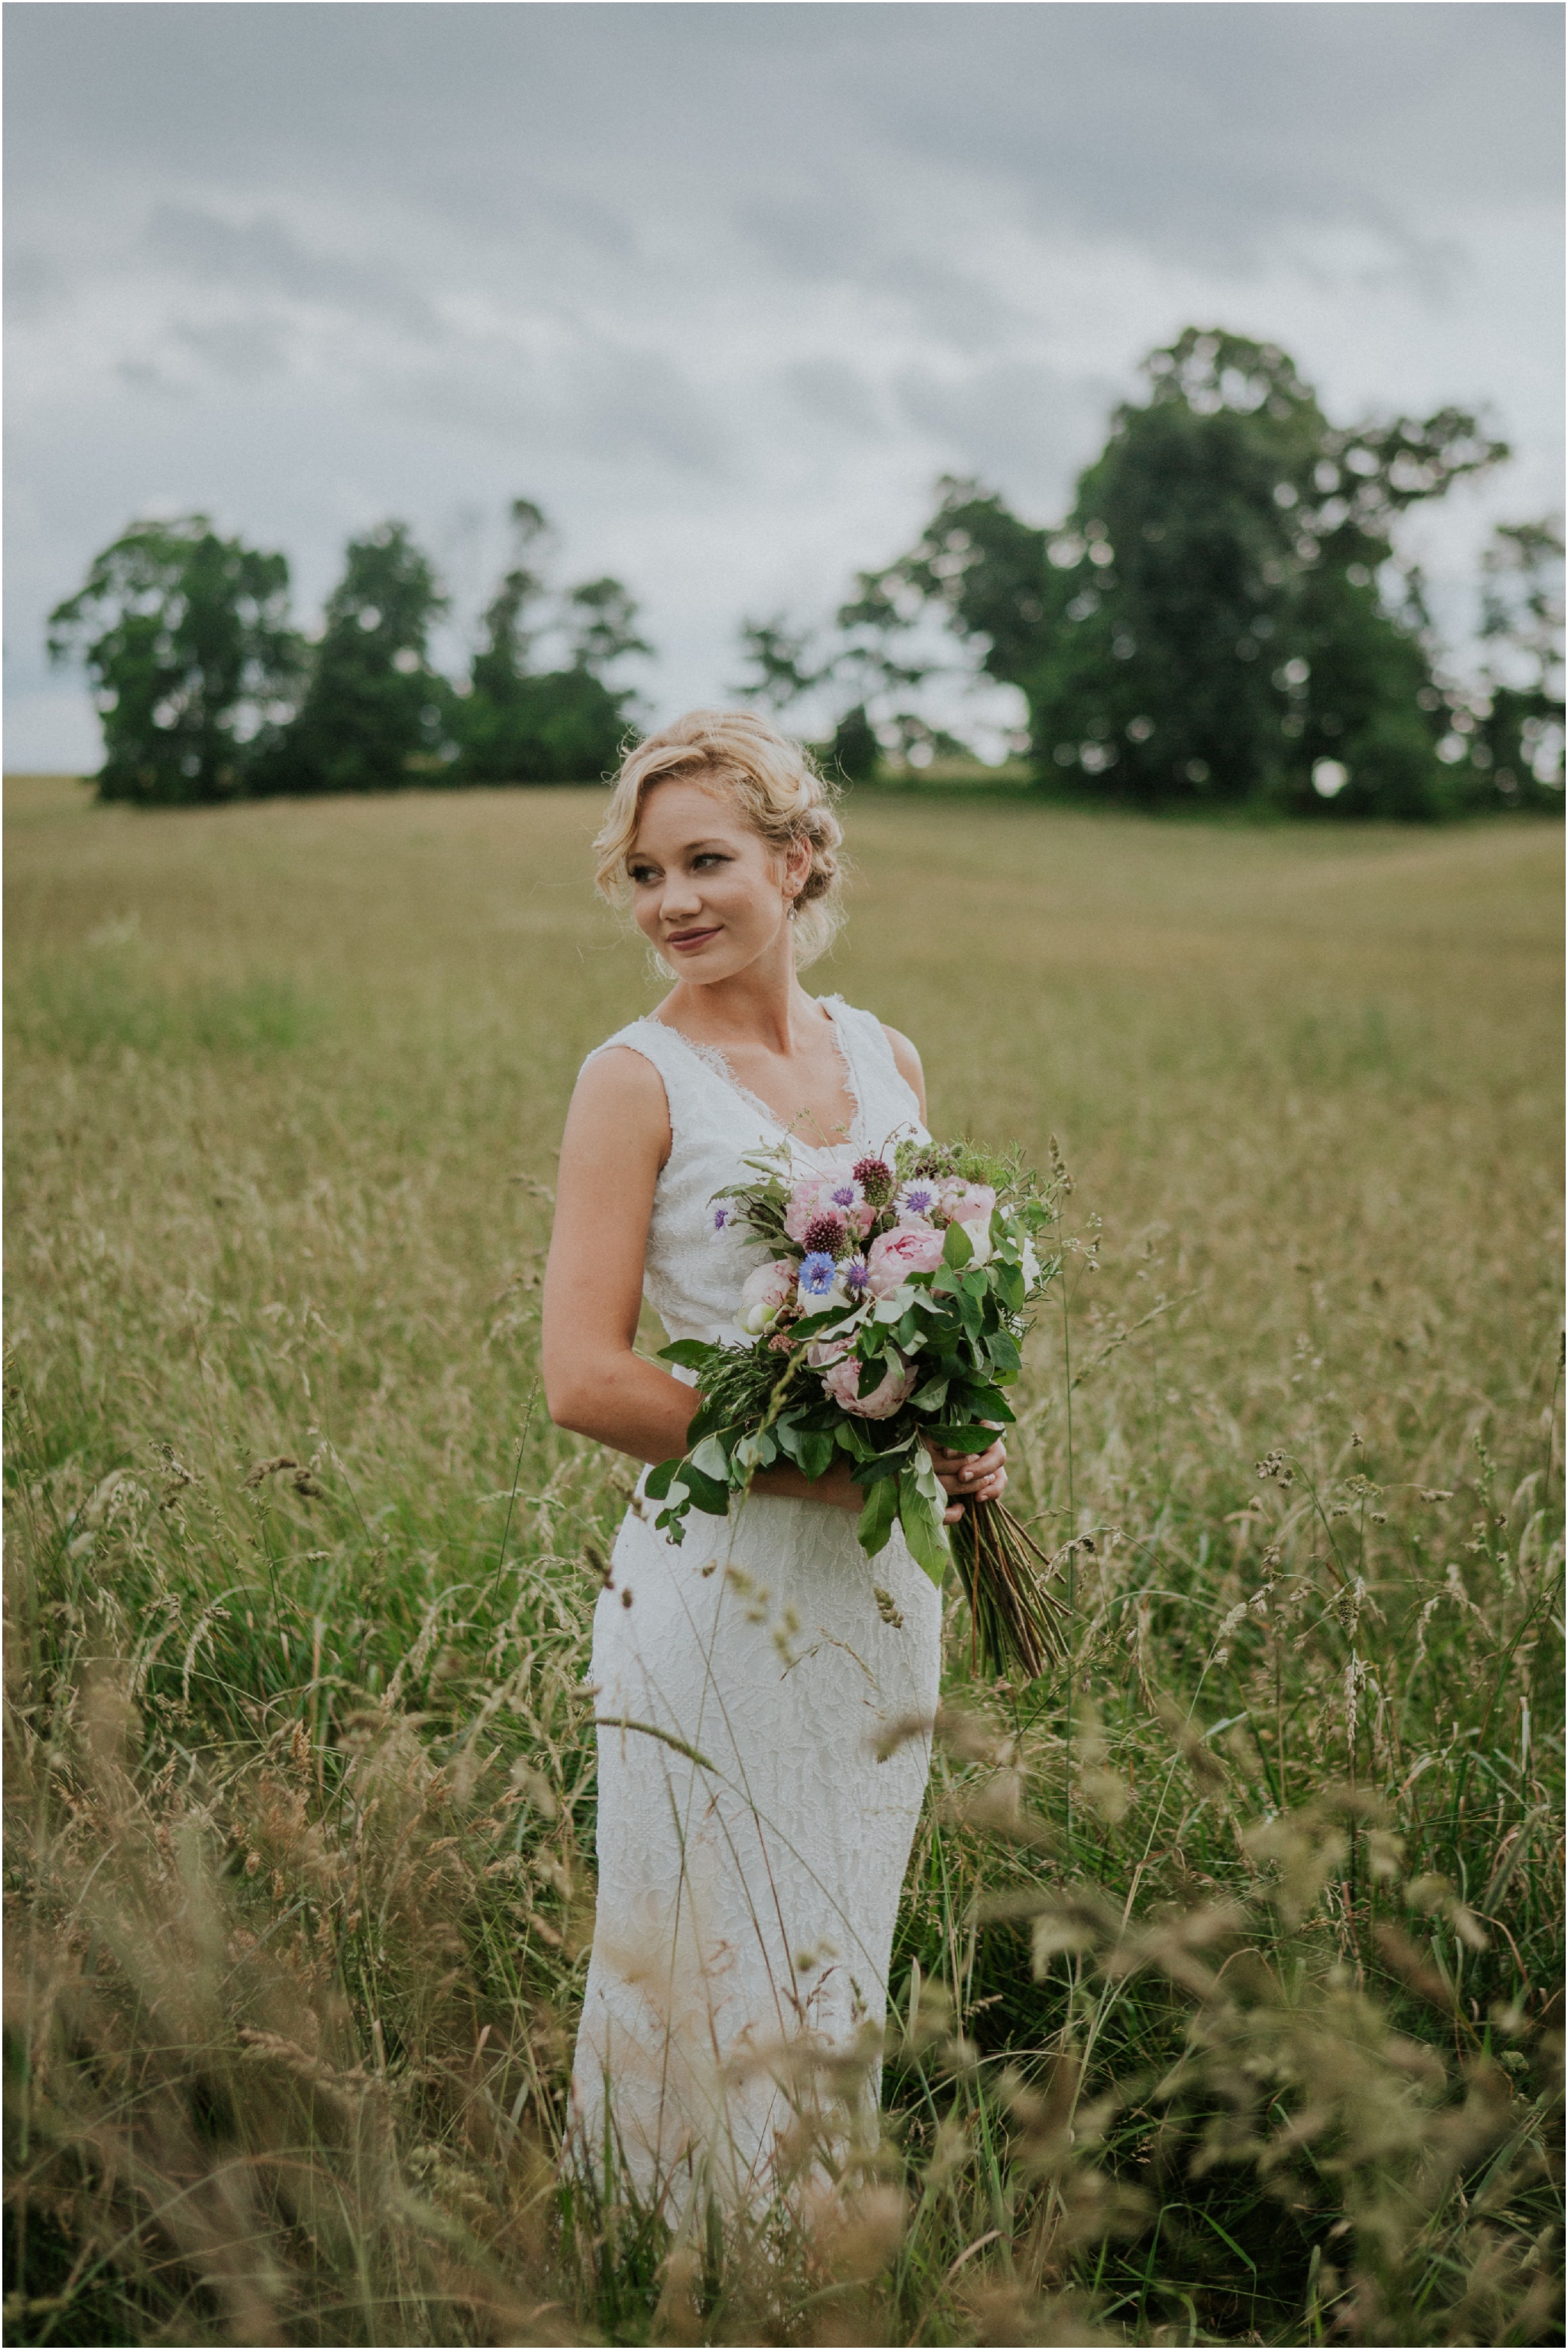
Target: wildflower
{"type": "Point", "coordinates": [919, 1197]}
{"type": "Point", "coordinates": [856, 1274]}
{"type": "Point", "coordinates": [825, 1236]}
{"type": "Point", "coordinates": [723, 1214]}
{"type": "Point", "coordinates": [818, 1277]}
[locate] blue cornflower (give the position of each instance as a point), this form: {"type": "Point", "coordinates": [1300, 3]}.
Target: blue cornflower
{"type": "Point", "coordinates": [817, 1273]}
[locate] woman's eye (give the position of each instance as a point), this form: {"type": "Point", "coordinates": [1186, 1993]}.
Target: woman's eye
{"type": "Point", "coordinates": [709, 856]}
{"type": "Point", "coordinates": [639, 873]}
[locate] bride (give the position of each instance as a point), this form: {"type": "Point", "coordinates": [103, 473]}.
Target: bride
{"type": "Point", "coordinates": [751, 1842]}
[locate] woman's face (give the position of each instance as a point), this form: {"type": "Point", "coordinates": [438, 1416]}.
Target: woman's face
{"type": "Point", "coordinates": [707, 890]}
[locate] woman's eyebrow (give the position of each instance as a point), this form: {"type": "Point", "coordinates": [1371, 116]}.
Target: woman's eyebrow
{"type": "Point", "coordinates": [687, 849]}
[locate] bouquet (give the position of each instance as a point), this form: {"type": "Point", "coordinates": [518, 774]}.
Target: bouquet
{"type": "Point", "coordinates": [891, 1309]}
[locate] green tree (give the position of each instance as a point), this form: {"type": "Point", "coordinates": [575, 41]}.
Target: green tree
{"type": "Point", "coordinates": [187, 638]}
{"type": "Point", "coordinates": [519, 726]}
{"type": "Point", "coordinates": [778, 659]}
{"type": "Point", "coordinates": [855, 750]}
{"type": "Point", "coordinates": [602, 619]}
{"type": "Point", "coordinates": [1513, 728]}
{"type": "Point", "coordinates": [785, 664]}
{"type": "Point", "coordinates": [375, 713]}
{"type": "Point", "coordinates": [1208, 623]}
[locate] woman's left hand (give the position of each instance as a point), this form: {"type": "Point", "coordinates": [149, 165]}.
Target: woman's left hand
{"type": "Point", "coordinates": [969, 1476]}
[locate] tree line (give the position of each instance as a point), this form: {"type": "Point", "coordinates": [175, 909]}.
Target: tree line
{"type": "Point", "coordinates": [1222, 618]}
{"type": "Point", "coordinates": [206, 691]}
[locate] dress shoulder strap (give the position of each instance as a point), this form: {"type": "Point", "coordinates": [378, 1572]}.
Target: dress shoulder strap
{"type": "Point", "coordinates": [647, 1037]}
{"type": "Point", "coordinates": [864, 1038]}
{"type": "Point", "coordinates": [887, 1099]}
{"type": "Point", "coordinates": [678, 1062]}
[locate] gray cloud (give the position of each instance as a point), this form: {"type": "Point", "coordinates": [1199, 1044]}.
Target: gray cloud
{"type": "Point", "coordinates": [244, 348]}
{"type": "Point", "coordinates": [1014, 423]}
{"type": "Point", "coordinates": [612, 405]}
{"type": "Point", "coordinates": [264, 255]}
{"type": "Point", "coordinates": [830, 392]}
{"type": "Point", "coordinates": [726, 285]}
{"type": "Point", "coordinates": [33, 281]}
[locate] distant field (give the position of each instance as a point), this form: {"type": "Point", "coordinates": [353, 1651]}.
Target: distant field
{"type": "Point", "coordinates": [285, 1086]}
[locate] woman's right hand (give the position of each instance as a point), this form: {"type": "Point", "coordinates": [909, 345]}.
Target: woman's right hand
{"type": "Point", "coordinates": [969, 1476]}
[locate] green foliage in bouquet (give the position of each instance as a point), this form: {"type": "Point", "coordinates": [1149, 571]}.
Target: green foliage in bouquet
{"type": "Point", "coordinates": [893, 1310]}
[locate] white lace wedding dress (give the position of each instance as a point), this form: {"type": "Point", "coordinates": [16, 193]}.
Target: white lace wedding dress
{"type": "Point", "coordinates": [746, 1901]}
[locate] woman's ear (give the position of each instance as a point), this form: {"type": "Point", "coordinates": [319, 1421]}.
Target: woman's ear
{"type": "Point", "coordinates": [797, 865]}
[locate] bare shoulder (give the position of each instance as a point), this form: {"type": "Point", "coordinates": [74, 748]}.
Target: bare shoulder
{"type": "Point", "coordinates": [907, 1062]}
{"type": "Point", "coordinates": [619, 1098]}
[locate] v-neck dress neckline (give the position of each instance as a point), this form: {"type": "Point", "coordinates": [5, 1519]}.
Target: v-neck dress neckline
{"type": "Point", "coordinates": [715, 1057]}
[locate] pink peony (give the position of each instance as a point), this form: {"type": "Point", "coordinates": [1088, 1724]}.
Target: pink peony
{"type": "Point", "coordinates": [763, 1292]}
{"type": "Point", "coordinates": [910, 1248]}
{"type": "Point", "coordinates": [970, 1203]}
{"type": "Point", "coordinates": [842, 1381]}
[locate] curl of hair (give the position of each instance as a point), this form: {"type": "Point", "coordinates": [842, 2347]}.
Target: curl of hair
{"type": "Point", "coordinates": [770, 779]}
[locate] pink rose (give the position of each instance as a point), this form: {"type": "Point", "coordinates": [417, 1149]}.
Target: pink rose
{"type": "Point", "coordinates": [763, 1292]}
{"type": "Point", "coordinates": [843, 1384]}
{"type": "Point", "coordinates": [909, 1248]}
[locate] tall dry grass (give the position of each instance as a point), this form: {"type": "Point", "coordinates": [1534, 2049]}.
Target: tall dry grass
{"type": "Point", "coordinates": [1224, 1992]}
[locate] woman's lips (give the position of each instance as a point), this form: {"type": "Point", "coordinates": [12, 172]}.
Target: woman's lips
{"type": "Point", "coordinates": [687, 940]}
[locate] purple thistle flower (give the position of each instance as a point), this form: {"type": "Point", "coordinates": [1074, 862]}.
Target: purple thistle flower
{"type": "Point", "coordinates": [876, 1180]}
{"type": "Point", "coordinates": [823, 1236]}
{"type": "Point", "coordinates": [818, 1273]}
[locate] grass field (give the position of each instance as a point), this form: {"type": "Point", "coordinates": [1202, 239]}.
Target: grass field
{"type": "Point", "coordinates": [1225, 1986]}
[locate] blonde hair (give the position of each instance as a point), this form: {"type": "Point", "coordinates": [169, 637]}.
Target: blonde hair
{"type": "Point", "coordinates": [767, 775]}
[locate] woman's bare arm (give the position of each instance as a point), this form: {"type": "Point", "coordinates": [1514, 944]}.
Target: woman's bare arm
{"type": "Point", "coordinates": [908, 1063]}
{"type": "Point", "coordinates": [616, 1140]}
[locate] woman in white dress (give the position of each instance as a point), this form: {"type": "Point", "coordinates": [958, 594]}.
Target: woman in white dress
{"type": "Point", "coordinates": [752, 1844]}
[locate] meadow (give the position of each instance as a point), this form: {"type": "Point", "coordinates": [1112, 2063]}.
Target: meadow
{"type": "Point", "coordinates": [1225, 2004]}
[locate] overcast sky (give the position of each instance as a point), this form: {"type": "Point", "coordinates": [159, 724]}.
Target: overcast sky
{"type": "Point", "coordinates": [724, 288]}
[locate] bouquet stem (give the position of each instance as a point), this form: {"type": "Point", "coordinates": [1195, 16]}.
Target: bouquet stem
{"type": "Point", "coordinates": [1017, 1622]}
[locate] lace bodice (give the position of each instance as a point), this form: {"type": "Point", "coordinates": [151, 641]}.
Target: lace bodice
{"type": "Point", "coordinates": [694, 1273]}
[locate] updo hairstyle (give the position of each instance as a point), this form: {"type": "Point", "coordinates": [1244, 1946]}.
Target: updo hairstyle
{"type": "Point", "coordinates": [768, 776]}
